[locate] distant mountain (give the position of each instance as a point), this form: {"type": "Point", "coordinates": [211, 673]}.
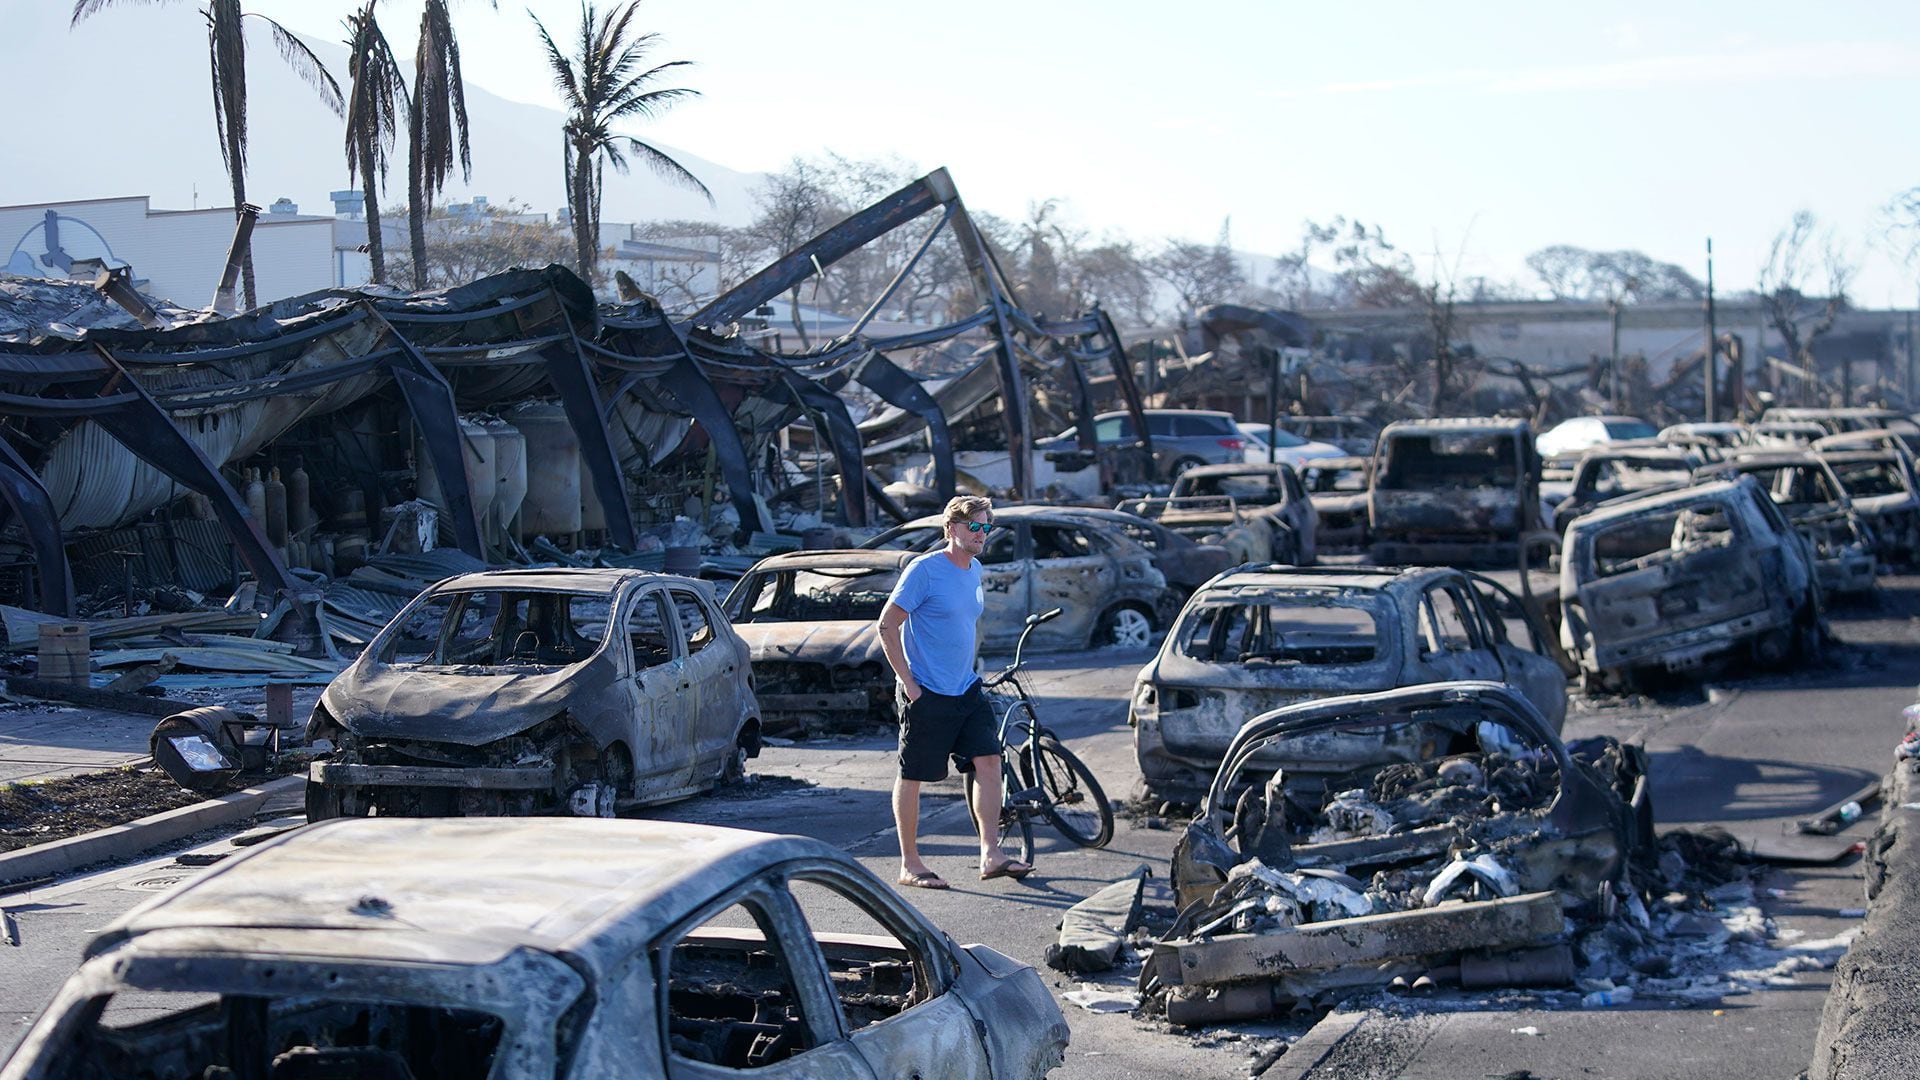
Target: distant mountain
{"type": "Point", "coordinates": [120, 105]}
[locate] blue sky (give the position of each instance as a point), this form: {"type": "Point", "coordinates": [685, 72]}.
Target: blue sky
{"type": "Point", "coordinates": [1472, 132]}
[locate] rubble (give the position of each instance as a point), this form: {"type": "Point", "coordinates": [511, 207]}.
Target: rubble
{"type": "Point", "coordinates": [1481, 843]}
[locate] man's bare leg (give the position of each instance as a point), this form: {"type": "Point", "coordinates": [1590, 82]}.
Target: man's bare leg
{"type": "Point", "coordinates": [906, 821]}
{"type": "Point", "coordinates": [986, 810]}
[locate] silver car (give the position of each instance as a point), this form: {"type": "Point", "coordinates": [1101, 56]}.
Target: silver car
{"type": "Point", "coordinates": [538, 691]}
{"type": "Point", "coordinates": [517, 949]}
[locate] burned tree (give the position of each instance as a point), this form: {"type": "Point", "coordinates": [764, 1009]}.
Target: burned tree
{"type": "Point", "coordinates": [1797, 251]}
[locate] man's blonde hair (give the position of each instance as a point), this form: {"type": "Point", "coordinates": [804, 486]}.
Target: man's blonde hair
{"type": "Point", "coordinates": [963, 507]}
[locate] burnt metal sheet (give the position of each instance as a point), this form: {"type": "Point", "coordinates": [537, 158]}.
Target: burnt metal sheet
{"type": "Point", "coordinates": [896, 387]}
{"type": "Point", "coordinates": [1507, 922]}
{"type": "Point", "coordinates": [27, 499]}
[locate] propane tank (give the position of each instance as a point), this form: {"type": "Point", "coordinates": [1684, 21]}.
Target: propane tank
{"type": "Point", "coordinates": [299, 508]}
{"type": "Point", "coordinates": [276, 518]}
{"type": "Point", "coordinates": [256, 497]}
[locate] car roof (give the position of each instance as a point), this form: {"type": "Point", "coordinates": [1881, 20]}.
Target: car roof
{"type": "Point", "coordinates": [1654, 500]}
{"type": "Point", "coordinates": [591, 889]}
{"type": "Point", "coordinates": [1000, 513]}
{"type": "Point", "coordinates": [569, 578]}
{"type": "Point", "coordinates": [1457, 423]}
{"type": "Point", "coordinates": [842, 558]}
{"type": "Point", "coordinates": [1322, 577]}
{"type": "Point", "coordinates": [1239, 468]}
{"type": "Point", "coordinates": [1168, 412]}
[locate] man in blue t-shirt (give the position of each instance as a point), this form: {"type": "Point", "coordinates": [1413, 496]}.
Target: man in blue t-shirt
{"type": "Point", "coordinates": [930, 632]}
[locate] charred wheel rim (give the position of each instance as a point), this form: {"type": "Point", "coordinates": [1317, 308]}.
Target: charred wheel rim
{"type": "Point", "coordinates": [1128, 628]}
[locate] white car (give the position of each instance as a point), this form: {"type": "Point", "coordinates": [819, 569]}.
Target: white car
{"type": "Point", "coordinates": [1581, 432]}
{"type": "Point", "coordinates": [1291, 448]}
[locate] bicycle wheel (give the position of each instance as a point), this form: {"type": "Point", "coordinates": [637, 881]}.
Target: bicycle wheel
{"type": "Point", "coordinates": [1073, 799]}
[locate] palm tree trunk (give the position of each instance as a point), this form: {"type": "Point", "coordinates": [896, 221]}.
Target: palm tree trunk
{"type": "Point", "coordinates": [246, 255]}
{"type": "Point", "coordinates": [376, 248]}
{"type": "Point", "coordinates": [417, 203]}
{"type": "Point", "coordinates": [583, 215]}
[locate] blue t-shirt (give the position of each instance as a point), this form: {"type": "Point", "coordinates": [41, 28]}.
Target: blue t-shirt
{"type": "Point", "coordinates": [943, 605]}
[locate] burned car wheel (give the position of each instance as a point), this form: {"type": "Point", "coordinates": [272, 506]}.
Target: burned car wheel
{"type": "Point", "coordinates": [1125, 628]}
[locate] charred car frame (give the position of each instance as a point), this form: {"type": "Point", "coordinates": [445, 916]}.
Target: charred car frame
{"type": "Point", "coordinates": [1484, 840]}
{"type": "Point", "coordinates": [418, 948]}
{"type": "Point", "coordinates": [538, 691]}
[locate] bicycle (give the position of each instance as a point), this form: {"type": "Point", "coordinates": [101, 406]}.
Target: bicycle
{"type": "Point", "coordinates": [1039, 775]}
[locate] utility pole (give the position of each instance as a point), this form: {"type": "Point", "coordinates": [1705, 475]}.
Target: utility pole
{"type": "Point", "coordinates": [1613, 368]}
{"type": "Point", "coordinates": [1713, 341]}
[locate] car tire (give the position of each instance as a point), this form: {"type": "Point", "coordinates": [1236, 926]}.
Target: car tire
{"type": "Point", "coordinates": [1125, 627]}
{"type": "Point", "coordinates": [1182, 465]}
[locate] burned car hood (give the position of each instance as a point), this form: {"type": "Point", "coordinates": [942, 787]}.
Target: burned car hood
{"type": "Point", "coordinates": [465, 706]}
{"type": "Point", "coordinates": [843, 642]}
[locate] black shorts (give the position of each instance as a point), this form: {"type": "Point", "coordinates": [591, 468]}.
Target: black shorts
{"type": "Point", "coordinates": [934, 727]}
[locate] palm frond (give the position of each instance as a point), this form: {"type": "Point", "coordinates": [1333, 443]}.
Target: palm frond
{"type": "Point", "coordinates": [84, 8]}
{"type": "Point", "coordinates": [305, 64]}
{"type": "Point", "coordinates": [563, 79]}
{"type": "Point", "coordinates": [648, 104]}
{"type": "Point", "coordinates": [666, 168]}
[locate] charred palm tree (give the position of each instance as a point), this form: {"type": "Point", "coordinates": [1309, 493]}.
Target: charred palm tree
{"type": "Point", "coordinates": [227, 50]}
{"type": "Point", "coordinates": [376, 107]}
{"type": "Point", "coordinates": [436, 128]}
{"type": "Point", "coordinates": [607, 82]}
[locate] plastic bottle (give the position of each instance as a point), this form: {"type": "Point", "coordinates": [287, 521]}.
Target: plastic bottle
{"type": "Point", "coordinates": [1601, 999]}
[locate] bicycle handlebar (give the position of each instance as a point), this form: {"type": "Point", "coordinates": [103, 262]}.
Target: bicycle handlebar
{"type": "Point", "coordinates": [1021, 647]}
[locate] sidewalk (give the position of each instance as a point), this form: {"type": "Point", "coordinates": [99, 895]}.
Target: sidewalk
{"type": "Point", "coordinates": [40, 740]}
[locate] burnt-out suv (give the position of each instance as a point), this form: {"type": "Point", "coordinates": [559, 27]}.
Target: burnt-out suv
{"type": "Point", "coordinates": [1671, 579]}
{"type": "Point", "coordinates": [1257, 638]}
{"type": "Point", "coordinates": [538, 691]}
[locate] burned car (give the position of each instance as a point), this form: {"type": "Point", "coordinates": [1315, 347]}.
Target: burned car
{"type": "Point", "coordinates": [1258, 638]}
{"type": "Point", "coordinates": [810, 619]}
{"type": "Point", "coordinates": [1482, 838]}
{"type": "Point", "coordinates": [538, 691]}
{"type": "Point", "coordinates": [1611, 472]}
{"type": "Point", "coordinates": [1883, 487]}
{"type": "Point", "coordinates": [1672, 579]}
{"type": "Point", "coordinates": [1043, 557]}
{"type": "Point", "coordinates": [1453, 491]}
{"type": "Point", "coordinates": [1187, 564]}
{"type": "Point", "coordinates": [518, 949]}
{"type": "Point", "coordinates": [1338, 488]}
{"type": "Point", "coordinates": [1807, 490]}
{"type": "Point", "coordinates": [1260, 513]}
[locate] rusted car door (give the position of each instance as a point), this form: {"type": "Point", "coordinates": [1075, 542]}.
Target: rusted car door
{"type": "Point", "coordinates": [1532, 660]}
{"type": "Point", "coordinates": [807, 1039]}
{"type": "Point", "coordinates": [1452, 642]}
{"type": "Point", "coordinates": [657, 683]}
{"type": "Point", "coordinates": [1006, 582]}
{"type": "Point", "coordinates": [853, 927]}
{"type": "Point", "coordinates": [1072, 572]}
{"type": "Point", "coordinates": [711, 696]}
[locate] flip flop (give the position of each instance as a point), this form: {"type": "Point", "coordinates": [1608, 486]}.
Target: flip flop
{"type": "Point", "coordinates": [1012, 868]}
{"type": "Point", "coordinates": [928, 880]}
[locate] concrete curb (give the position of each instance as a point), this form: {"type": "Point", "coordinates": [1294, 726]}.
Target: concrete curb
{"type": "Point", "coordinates": [1867, 1024]}
{"type": "Point", "coordinates": [1312, 1048]}
{"type": "Point", "coordinates": [120, 841]}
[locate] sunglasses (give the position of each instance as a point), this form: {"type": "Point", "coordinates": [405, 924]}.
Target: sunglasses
{"type": "Point", "coordinates": [977, 526]}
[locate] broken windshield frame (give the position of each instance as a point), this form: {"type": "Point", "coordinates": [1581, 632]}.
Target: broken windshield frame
{"type": "Point", "coordinates": [517, 628]}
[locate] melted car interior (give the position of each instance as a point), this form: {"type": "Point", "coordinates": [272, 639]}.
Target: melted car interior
{"type": "Point", "coordinates": [197, 1036]}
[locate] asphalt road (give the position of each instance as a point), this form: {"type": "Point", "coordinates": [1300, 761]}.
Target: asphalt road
{"type": "Point", "coordinates": [1749, 751]}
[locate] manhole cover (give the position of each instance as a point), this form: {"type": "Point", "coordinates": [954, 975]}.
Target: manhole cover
{"type": "Point", "coordinates": [160, 882]}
